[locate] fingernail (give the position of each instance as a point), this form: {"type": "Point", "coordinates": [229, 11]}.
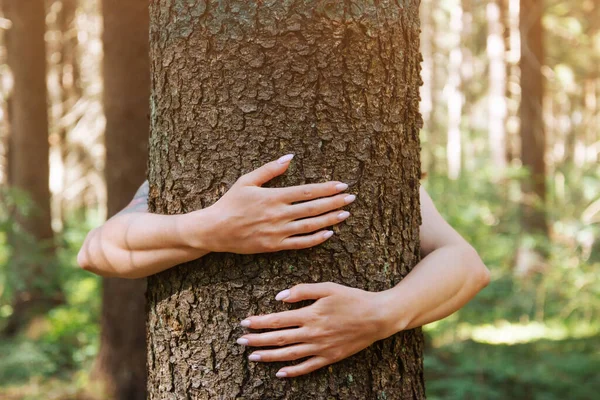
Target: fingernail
{"type": "Point", "coordinates": [245, 323]}
{"type": "Point", "coordinates": [328, 234]}
{"type": "Point", "coordinates": [341, 186]}
{"type": "Point", "coordinates": [254, 357]}
{"type": "Point", "coordinates": [343, 215]}
{"type": "Point", "coordinates": [281, 374]}
{"type": "Point", "coordinates": [284, 294]}
{"type": "Point", "coordinates": [285, 159]}
{"type": "Point", "coordinates": [349, 199]}
{"type": "Point", "coordinates": [243, 342]}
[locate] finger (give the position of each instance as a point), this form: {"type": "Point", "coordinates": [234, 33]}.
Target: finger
{"type": "Point", "coordinates": [289, 353]}
{"type": "Point", "coordinates": [304, 242]}
{"type": "Point", "coordinates": [277, 338]}
{"type": "Point", "coordinates": [310, 191]}
{"type": "Point", "coordinates": [313, 224]}
{"type": "Point", "coordinates": [283, 319]}
{"type": "Point", "coordinates": [320, 206]}
{"type": "Point", "coordinates": [306, 367]}
{"type": "Point", "coordinates": [307, 291]}
{"type": "Point", "coordinates": [267, 172]}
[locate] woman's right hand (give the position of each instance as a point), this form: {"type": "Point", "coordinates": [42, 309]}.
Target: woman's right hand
{"type": "Point", "coordinates": [251, 219]}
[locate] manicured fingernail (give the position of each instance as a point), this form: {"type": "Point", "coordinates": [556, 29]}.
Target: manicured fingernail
{"type": "Point", "coordinates": [281, 374]}
{"type": "Point", "coordinates": [245, 323]}
{"type": "Point", "coordinates": [284, 294]}
{"type": "Point", "coordinates": [341, 186]}
{"type": "Point", "coordinates": [349, 199]}
{"type": "Point", "coordinates": [343, 215]}
{"type": "Point", "coordinates": [254, 357]}
{"type": "Point", "coordinates": [243, 342]}
{"type": "Point", "coordinates": [328, 234]}
{"type": "Point", "coordinates": [285, 159]}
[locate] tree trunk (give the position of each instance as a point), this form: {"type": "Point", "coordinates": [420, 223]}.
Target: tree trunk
{"type": "Point", "coordinates": [121, 363]}
{"type": "Point", "coordinates": [533, 141]}
{"type": "Point", "coordinates": [455, 96]}
{"type": "Point", "coordinates": [237, 83]}
{"type": "Point", "coordinates": [497, 85]}
{"type": "Point", "coordinates": [29, 169]}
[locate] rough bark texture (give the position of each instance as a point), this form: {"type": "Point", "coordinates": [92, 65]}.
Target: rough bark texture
{"type": "Point", "coordinates": [533, 138]}
{"type": "Point", "coordinates": [237, 83]}
{"type": "Point", "coordinates": [29, 154]}
{"type": "Point", "coordinates": [121, 362]}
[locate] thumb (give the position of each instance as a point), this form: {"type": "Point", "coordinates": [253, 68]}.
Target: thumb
{"type": "Point", "coordinates": [306, 291]}
{"type": "Point", "coordinates": [262, 175]}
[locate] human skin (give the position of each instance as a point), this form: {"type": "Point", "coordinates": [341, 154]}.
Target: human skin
{"type": "Point", "coordinates": [250, 219]}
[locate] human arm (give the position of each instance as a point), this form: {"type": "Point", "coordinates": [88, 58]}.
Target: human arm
{"type": "Point", "coordinates": [343, 320]}
{"type": "Point", "coordinates": [247, 219]}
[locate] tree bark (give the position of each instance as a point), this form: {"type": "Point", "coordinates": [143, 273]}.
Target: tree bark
{"type": "Point", "coordinates": [29, 169]}
{"type": "Point", "coordinates": [533, 140]}
{"type": "Point", "coordinates": [237, 83]}
{"type": "Point", "coordinates": [121, 363]}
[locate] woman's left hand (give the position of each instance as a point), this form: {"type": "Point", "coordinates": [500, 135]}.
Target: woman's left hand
{"type": "Point", "coordinates": [341, 322]}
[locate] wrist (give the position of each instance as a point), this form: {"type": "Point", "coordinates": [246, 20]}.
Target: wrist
{"type": "Point", "coordinates": [394, 313]}
{"type": "Point", "coordinates": [197, 230]}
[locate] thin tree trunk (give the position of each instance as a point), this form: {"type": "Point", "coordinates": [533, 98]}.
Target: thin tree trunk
{"type": "Point", "coordinates": [121, 363]}
{"type": "Point", "coordinates": [455, 97]}
{"type": "Point", "coordinates": [237, 83]}
{"type": "Point", "coordinates": [533, 141]}
{"type": "Point", "coordinates": [497, 85]}
{"type": "Point", "coordinates": [429, 90]}
{"type": "Point", "coordinates": [29, 159]}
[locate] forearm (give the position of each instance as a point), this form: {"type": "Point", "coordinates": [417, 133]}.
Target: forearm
{"type": "Point", "coordinates": [439, 285]}
{"type": "Point", "coordinates": [135, 245]}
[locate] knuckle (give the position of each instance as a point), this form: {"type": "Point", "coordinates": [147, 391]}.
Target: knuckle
{"type": "Point", "coordinates": [280, 341]}
{"type": "Point", "coordinates": [293, 354]}
{"type": "Point", "coordinates": [275, 322]}
{"type": "Point", "coordinates": [308, 226]}
{"type": "Point", "coordinates": [269, 245]}
{"type": "Point", "coordinates": [307, 192]}
{"type": "Point", "coordinates": [311, 208]}
{"type": "Point", "coordinates": [338, 354]}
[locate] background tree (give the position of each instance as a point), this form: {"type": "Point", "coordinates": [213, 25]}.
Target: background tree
{"type": "Point", "coordinates": [236, 83]}
{"type": "Point", "coordinates": [121, 362]}
{"type": "Point", "coordinates": [29, 162]}
{"type": "Point", "coordinates": [533, 139]}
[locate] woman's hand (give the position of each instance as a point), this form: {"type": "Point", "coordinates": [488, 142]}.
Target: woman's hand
{"type": "Point", "coordinates": [342, 322]}
{"type": "Point", "coordinates": [251, 219]}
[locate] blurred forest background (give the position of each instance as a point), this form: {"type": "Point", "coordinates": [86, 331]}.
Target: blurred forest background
{"type": "Point", "coordinates": [510, 149]}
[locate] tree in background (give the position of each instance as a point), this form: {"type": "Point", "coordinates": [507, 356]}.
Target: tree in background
{"type": "Point", "coordinates": [533, 139]}
{"type": "Point", "coordinates": [237, 83]}
{"type": "Point", "coordinates": [121, 363]}
{"type": "Point", "coordinates": [29, 169]}
{"type": "Point", "coordinates": [496, 53]}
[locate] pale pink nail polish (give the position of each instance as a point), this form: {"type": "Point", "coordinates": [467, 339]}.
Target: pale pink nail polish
{"type": "Point", "coordinates": [284, 294]}
{"type": "Point", "coordinates": [281, 374]}
{"type": "Point", "coordinates": [243, 342]}
{"type": "Point", "coordinates": [254, 357]}
{"type": "Point", "coordinates": [245, 323]}
{"type": "Point", "coordinates": [341, 187]}
{"type": "Point", "coordinates": [349, 199]}
{"type": "Point", "coordinates": [285, 159]}
{"type": "Point", "coordinates": [343, 215]}
{"type": "Point", "coordinates": [328, 234]}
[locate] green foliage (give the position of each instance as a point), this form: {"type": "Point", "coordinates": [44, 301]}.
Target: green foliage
{"type": "Point", "coordinates": [65, 339]}
{"type": "Point", "coordinates": [545, 369]}
{"type": "Point", "coordinates": [563, 295]}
